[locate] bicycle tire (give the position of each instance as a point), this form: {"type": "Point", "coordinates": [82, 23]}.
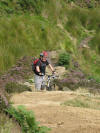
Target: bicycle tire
{"type": "Point", "coordinates": [51, 87]}
{"type": "Point", "coordinates": [42, 87]}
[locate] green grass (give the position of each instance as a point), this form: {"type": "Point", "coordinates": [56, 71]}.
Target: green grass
{"type": "Point", "coordinates": [35, 27]}
{"type": "Point", "coordinates": [27, 120]}
{"type": "Point", "coordinates": [6, 124]}
{"type": "Point", "coordinates": [84, 102]}
{"type": "Point", "coordinates": [25, 35]}
{"type": "Point", "coordinates": [13, 87]}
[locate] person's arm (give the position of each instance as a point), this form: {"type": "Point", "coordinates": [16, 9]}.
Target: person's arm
{"type": "Point", "coordinates": [38, 64]}
{"type": "Point", "coordinates": [52, 69]}
{"type": "Point", "coordinates": [38, 69]}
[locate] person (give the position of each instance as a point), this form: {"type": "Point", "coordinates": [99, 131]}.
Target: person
{"type": "Point", "coordinates": [40, 69]}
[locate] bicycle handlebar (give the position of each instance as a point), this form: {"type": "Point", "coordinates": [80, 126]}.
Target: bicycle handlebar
{"type": "Point", "coordinates": [53, 75]}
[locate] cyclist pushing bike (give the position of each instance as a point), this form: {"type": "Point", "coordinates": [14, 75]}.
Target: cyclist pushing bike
{"type": "Point", "coordinates": [40, 68]}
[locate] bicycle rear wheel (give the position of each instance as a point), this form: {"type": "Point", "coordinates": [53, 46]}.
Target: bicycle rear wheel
{"type": "Point", "coordinates": [43, 87]}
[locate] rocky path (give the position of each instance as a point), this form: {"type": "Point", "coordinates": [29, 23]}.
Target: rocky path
{"type": "Point", "coordinates": [61, 119]}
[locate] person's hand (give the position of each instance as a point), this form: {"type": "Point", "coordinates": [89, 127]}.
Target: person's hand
{"type": "Point", "coordinates": [41, 74]}
{"type": "Point", "coordinates": [53, 72]}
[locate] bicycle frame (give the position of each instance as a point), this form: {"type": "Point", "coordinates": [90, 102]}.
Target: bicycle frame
{"type": "Point", "coordinates": [48, 84]}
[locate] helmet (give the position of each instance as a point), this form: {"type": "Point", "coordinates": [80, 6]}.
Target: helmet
{"type": "Point", "coordinates": [45, 53]}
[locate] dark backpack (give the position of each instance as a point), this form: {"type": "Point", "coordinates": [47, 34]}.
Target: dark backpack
{"type": "Point", "coordinates": [34, 64]}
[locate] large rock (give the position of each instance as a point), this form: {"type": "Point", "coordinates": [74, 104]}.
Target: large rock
{"type": "Point", "coordinates": [54, 56]}
{"type": "Point", "coordinates": [60, 71]}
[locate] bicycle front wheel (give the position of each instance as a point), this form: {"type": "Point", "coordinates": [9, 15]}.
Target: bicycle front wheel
{"type": "Point", "coordinates": [51, 87]}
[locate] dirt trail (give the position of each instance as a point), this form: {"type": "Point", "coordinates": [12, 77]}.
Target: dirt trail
{"type": "Point", "coordinates": [62, 119]}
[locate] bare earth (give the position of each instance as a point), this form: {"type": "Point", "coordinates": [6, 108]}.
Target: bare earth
{"type": "Point", "coordinates": [62, 119]}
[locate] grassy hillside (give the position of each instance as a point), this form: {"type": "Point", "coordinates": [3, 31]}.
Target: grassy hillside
{"type": "Point", "coordinates": [28, 27]}
{"type": "Point", "coordinates": [26, 35]}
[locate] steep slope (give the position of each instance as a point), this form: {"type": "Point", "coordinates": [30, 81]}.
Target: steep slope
{"type": "Point", "coordinates": [28, 27]}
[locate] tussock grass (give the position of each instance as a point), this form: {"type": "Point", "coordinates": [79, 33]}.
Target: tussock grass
{"type": "Point", "coordinates": [13, 87]}
{"type": "Point", "coordinates": [84, 102]}
{"type": "Point", "coordinates": [35, 28]}
{"type": "Point", "coordinates": [25, 35]}
{"type": "Point", "coordinates": [7, 125]}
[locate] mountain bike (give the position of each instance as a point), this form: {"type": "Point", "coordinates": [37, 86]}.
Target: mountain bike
{"type": "Point", "coordinates": [49, 82]}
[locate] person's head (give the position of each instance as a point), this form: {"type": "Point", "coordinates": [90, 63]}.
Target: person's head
{"type": "Point", "coordinates": [44, 56]}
